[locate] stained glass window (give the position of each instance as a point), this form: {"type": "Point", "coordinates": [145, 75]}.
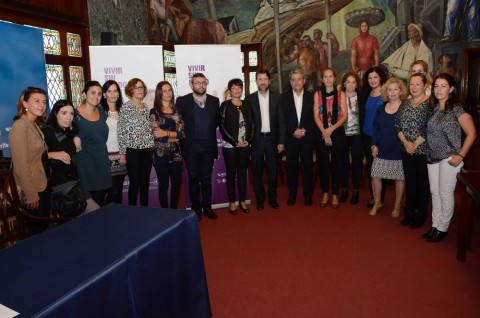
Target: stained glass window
{"type": "Point", "coordinates": [55, 83]}
{"type": "Point", "coordinates": [252, 58]}
{"type": "Point", "coordinates": [253, 82]}
{"type": "Point", "coordinates": [51, 42]}
{"type": "Point", "coordinates": [74, 45]}
{"type": "Point", "coordinates": [169, 58]}
{"type": "Point", "coordinates": [76, 84]}
{"type": "Point", "coordinates": [172, 79]}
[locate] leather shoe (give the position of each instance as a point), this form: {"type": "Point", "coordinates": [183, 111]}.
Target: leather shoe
{"type": "Point", "coordinates": [334, 202]}
{"type": "Point", "coordinates": [418, 222]}
{"type": "Point", "coordinates": [291, 200]}
{"type": "Point", "coordinates": [308, 201]}
{"type": "Point", "coordinates": [233, 211]}
{"type": "Point", "coordinates": [437, 237]}
{"type": "Point", "coordinates": [344, 196]}
{"type": "Point", "coordinates": [370, 203]}
{"type": "Point", "coordinates": [429, 234]}
{"type": "Point", "coordinates": [406, 221]}
{"type": "Point", "coordinates": [244, 209]}
{"type": "Point", "coordinates": [259, 206]}
{"type": "Point", "coordinates": [198, 212]}
{"type": "Point", "coordinates": [354, 199]}
{"type": "Point", "coordinates": [210, 214]}
{"type": "Point", "coordinates": [274, 205]}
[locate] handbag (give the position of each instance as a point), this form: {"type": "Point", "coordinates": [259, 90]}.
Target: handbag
{"type": "Point", "coordinates": [71, 201]}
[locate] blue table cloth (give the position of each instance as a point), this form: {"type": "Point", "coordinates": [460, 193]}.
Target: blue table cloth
{"type": "Point", "coordinates": [119, 261]}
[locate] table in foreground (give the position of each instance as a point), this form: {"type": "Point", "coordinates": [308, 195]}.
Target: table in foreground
{"type": "Point", "coordinates": [119, 261]}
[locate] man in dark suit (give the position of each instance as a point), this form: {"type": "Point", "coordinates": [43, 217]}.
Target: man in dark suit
{"type": "Point", "coordinates": [200, 112]}
{"type": "Point", "coordinates": [265, 143]}
{"type": "Point", "coordinates": [297, 134]}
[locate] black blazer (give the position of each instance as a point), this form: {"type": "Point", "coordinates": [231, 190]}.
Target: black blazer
{"type": "Point", "coordinates": [289, 121]}
{"type": "Point", "coordinates": [184, 105]}
{"type": "Point", "coordinates": [273, 110]}
{"type": "Point", "coordinates": [229, 121]}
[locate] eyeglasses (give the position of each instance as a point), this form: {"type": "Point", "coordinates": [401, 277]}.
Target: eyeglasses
{"type": "Point", "coordinates": [200, 83]}
{"type": "Point", "coordinates": [139, 87]}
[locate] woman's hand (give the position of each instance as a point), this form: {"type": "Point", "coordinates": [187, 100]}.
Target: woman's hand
{"type": "Point", "coordinates": [326, 133]}
{"type": "Point", "coordinates": [374, 151]}
{"type": "Point", "coordinates": [61, 156]}
{"type": "Point", "coordinates": [242, 144]}
{"type": "Point", "coordinates": [33, 205]}
{"type": "Point", "coordinates": [78, 143]}
{"type": "Point", "coordinates": [159, 133]}
{"type": "Point", "coordinates": [410, 147]}
{"type": "Point", "coordinates": [123, 160]}
{"type": "Point", "coordinates": [455, 160]}
{"type": "Point", "coordinates": [328, 141]}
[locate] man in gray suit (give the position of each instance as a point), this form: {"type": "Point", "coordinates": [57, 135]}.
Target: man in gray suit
{"type": "Point", "coordinates": [265, 144]}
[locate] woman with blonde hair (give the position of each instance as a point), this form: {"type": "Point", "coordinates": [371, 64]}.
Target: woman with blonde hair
{"type": "Point", "coordinates": [421, 67]}
{"type": "Point", "coordinates": [386, 147]}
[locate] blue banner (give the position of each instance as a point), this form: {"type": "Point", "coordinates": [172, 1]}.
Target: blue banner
{"type": "Point", "coordinates": [22, 64]}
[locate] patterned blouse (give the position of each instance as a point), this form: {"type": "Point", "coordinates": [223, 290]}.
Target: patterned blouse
{"type": "Point", "coordinates": [444, 134]}
{"type": "Point", "coordinates": [134, 128]}
{"type": "Point", "coordinates": [412, 121]}
{"type": "Point", "coordinates": [164, 151]}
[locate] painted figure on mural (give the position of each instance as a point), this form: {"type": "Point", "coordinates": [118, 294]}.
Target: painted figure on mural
{"type": "Point", "coordinates": [445, 66]}
{"type": "Point", "coordinates": [322, 47]}
{"type": "Point", "coordinates": [455, 10]}
{"type": "Point", "coordinates": [308, 59]}
{"type": "Point", "coordinates": [364, 49]}
{"type": "Point", "coordinates": [398, 63]}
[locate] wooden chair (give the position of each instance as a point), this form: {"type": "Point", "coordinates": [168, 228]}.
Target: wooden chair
{"type": "Point", "coordinates": [15, 216]}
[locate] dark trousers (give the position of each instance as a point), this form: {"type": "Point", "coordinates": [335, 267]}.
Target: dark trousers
{"type": "Point", "coordinates": [99, 196]}
{"type": "Point", "coordinates": [43, 210]}
{"type": "Point", "coordinates": [200, 166]}
{"type": "Point", "coordinates": [417, 186]}
{"type": "Point", "coordinates": [169, 172]}
{"type": "Point", "coordinates": [139, 165]}
{"type": "Point", "coordinates": [236, 160]}
{"type": "Point", "coordinates": [333, 160]}
{"type": "Point", "coordinates": [303, 151]}
{"type": "Point", "coordinates": [114, 195]}
{"type": "Point", "coordinates": [264, 150]}
{"type": "Point", "coordinates": [356, 153]}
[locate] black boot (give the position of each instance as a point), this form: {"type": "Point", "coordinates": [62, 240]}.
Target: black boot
{"type": "Point", "coordinates": [344, 196]}
{"type": "Point", "coordinates": [354, 199]}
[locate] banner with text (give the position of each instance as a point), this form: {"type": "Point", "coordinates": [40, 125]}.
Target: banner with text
{"type": "Point", "coordinates": [22, 64]}
{"type": "Point", "coordinates": [121, 64]}
{"type": "Point", "coordinates": [219, 63]}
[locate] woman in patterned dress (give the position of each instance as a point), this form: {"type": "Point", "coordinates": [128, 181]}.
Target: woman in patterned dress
{"type": "Point", "coordinates": [237, 129]}
{"type": "Point", "coordinates": [167, 127]}
{"type": "Point", "coordinates": [135, 141]}
{"type": "Point", "coordinates": [445, 152]}
{"type": "Point", "coordinates": [411, 127]}
{"type": "Point", "coordinates": [386, 148]}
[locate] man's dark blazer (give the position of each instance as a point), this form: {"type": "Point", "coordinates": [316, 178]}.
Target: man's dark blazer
{"type": "Point", "coordinates": [184, 105]}
{"type": "Point", "coordinates": [273, 102]}
{"type": "Point", "coordinates": [288, 117]}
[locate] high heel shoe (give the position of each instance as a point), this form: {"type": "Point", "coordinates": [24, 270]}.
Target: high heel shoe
{"type": "Point", "coordinates": [334, 201]}
{"type": "Point", "coordinates": [244, 210]}
{"type": "Point", "coordinates": [354, 199]}
{"type": "Point", "coordinates": [344, 196]}
{"type": "Point", "coordinates": [376, 208]}
{"type": "Point", "coordinates": [370, 203]}
{"type": "Point", "coordinates": [234, 210]}
{"type": "Point", "coordinates": [324, 201]}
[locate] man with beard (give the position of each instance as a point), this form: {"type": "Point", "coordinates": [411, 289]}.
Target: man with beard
{"type": "Point", "coordinates": [265, 144]}
{"type": "Point", "coordinates": [200, 113]}
{"type": "Point", "coordinates": [365, 51]}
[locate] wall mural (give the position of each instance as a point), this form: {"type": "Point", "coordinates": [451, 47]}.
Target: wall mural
{"type": "Point", "coordinates": [360, 33]}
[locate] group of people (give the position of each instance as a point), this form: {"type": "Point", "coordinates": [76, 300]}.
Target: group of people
{"type": "Point", "coordinates": [404, 134]}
